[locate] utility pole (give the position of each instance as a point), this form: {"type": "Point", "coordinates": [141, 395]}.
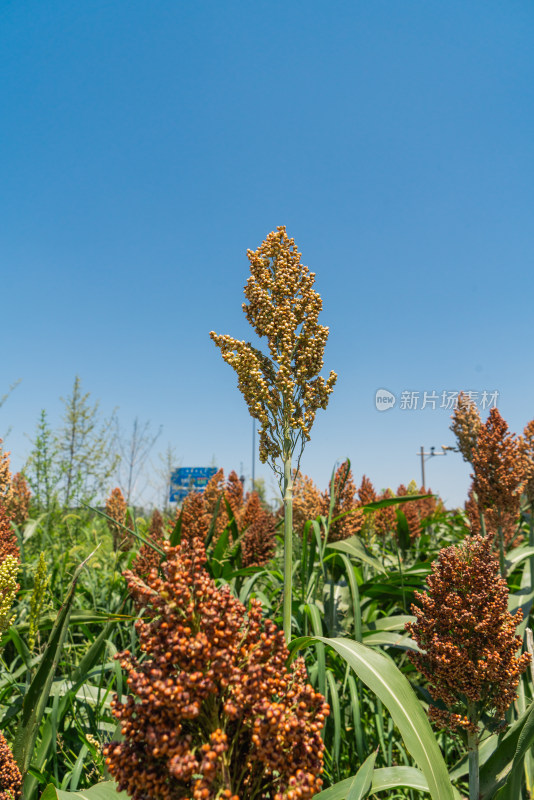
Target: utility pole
{"type": "Point", "coordinates": [425, 456]}
{"type": "Point", "coordinates": [423, 465]}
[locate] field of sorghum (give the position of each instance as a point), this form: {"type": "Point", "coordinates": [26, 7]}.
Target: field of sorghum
{"type": "Point", "coordinates": [352, 642]}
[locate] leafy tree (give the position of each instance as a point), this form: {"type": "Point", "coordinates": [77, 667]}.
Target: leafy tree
{"type": "Point", "coordinates": [42, 468]}
{"type": "Point", "coordinates": [84, 442]}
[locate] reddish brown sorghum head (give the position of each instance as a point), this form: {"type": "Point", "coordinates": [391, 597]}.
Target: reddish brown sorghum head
{"type": "Point", "coordinates": [307, 501]}
{"type": "Point", "coordinates": [6, 490]}
{"type": "Point", "coordinates": [8, 540]}
{"type": "Point", "coordinates": [366, 492]}
{"type": "Point", "coordinates": [234, 493]}
{"type": "Point", "coordinates": [213, 494]}
{"type": "Point", "coordinates": [385, 519]}
{"type": "Point", "coordinates": [492, 520]}
{"type": "Point", "coordinates": [214, 711]}
{"type": "Point", "coordinates": [10, 777]}
{"type": "Point", "coordinates": [116, 508]}
{"type": "Point", "coordinates": [346, 500]}
{"type": "Point", "coordinates": [499, 467]}
{"type": "Point", "coordinates": [148, 557]}
{"type": "Point", "coordinates": [527, 447]}
{"type": "Point", "coordinates": [18, 505]}
{"type": "Point", "coordinates": [416, 510]}
{"type": "Point", "coordinates": [258, 543]}
{"type": "Point", "coordinates": [218, 491]}
{"type": "Point", "coordinates": [194, 521]}
{"type": "Point", "coordinates": [466, 425]}
{"type": "Point", "coordinates": [467, 635]}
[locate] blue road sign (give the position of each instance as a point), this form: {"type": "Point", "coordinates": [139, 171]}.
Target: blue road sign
{"type": "Point", "coordinates": [189, 479]}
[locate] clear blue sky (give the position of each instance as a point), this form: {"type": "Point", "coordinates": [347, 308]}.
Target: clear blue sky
{"type": "Point", "coordinates": [146, 145]}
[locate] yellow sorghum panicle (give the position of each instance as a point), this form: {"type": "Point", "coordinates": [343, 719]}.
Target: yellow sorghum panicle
{"type": "Point", "coordinates": [9, 569]}
{"type": "Point", "coordinates": [41, 582]}
{"type": "Point", "coordinates": [283, 390]}
{"type": "Point", "coordinates": [500, 468]}
{"type": "Point", "coordinates": [466, 635]}
{"type": "Point", "coordinates": [466, 425]}
{"type": "Point", "coordinates": [116, 508]}
{"type": "Point", "coordinates": [10, 777]}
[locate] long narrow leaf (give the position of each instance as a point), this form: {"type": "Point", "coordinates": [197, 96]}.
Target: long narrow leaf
{"type": "Point", "coordinates": [336, 716]}
{"type": "Point", "coordinates": [356, 716]}
{"type": "Point", "coordinates": [389, 684]}
{"type": "Point", "coordinates": [508, 754]}
{"type": "Point", "coordinates": [393, 501]}
{"type": "Point", "coordinates": [355, 594]}
{"type": "Point", "coordinates": [353, 547]}
{"type": "Point", "coordinates": [38, 692]}
{"type": "Point", "coordinates": [383, 779]}
{"type": "Point", "coordinates": [361, 783]}
{"type": "Point", "coordinates": [107, 790]}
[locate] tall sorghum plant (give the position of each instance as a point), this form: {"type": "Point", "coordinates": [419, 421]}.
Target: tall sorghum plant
{"type": "Point", "coordinates": [468, 642]}
{"type": "Point", "coordinates": [283, 390]}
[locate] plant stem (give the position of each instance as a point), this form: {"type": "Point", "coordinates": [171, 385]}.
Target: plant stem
{"type": "Point", "coordinates": [472, 748]}
{"type": "Point", "coordinates": [288, 546]}
{"type": "Point", "coordinates": [402, 582]}
{"type": "Point", "coordinates": [501, 551]}
{"type": "Point", "coordinates": [531, 544]}
{"type": "Point", "coordinates": [332, 603]}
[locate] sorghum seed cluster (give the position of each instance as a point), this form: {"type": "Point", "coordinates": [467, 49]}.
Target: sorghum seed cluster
{"type": "Point", "coordinates": [467, 635]}
{"type": "Point", "coordinates": [283, 391]}
{"type": "Point", "coordinates": [213, 710]}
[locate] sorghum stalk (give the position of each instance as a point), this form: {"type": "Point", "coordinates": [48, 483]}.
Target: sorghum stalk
{"type": "Point", "coordinates": [288, 542]}
{"type": "Point", "coordinates": [527, 448]}
{"type": "Point", "coordinates": [500, 538]}
{"type": "Point", "coordinates": [472, 749]}
{"type": "Point", "coordinates": [283, 390]}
